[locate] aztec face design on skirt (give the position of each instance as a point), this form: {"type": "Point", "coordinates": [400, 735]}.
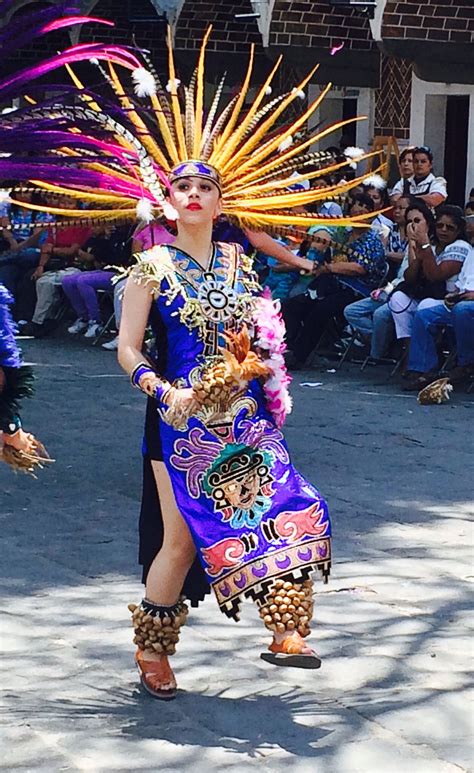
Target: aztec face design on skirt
{"type": "Point", "coordinates": [239, 482]}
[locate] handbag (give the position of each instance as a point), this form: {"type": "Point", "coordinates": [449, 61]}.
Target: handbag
{"type": "Point", "coordinates": [422, 288]}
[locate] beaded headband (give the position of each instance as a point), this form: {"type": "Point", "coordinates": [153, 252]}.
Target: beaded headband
{"type": "Point", "coordinates": [194, 168]}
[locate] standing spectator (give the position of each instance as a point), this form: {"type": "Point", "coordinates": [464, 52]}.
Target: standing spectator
{"type": "Point", "coordinates": [423, 184]}
{"type": "Point", "coordinates": [433, 264]}
{"type": "Point", "coordinates": [148, 236]}
{"type": "Point", "coordinates": [109, 245]}
{"type": "Point", "coordinates": [405, 164]}
{"type": "Point", "coordinates": [307, 315]}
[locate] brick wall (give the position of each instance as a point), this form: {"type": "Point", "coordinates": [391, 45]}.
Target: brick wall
{"type": "Point", "coordinates": [393, 98]}
{"type": "Point", "coordinates": [450, 21]}
{"type": "Point", "coordinates": [317, 24]}
{"type": "Point", "coordinates": [229, 35]}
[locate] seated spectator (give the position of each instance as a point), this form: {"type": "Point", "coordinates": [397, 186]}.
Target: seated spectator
{"type": "Point", "coordinates": [371, 317]}
{"type": "Point", "coordinates": [280, 278]}
{"type": "Point", "coordinates": [424, 185]}
{"type": "Point", "coordinates": [405, 164]}
{"type": "Point", "coordinates": [57, 260]}
{"type": "Point", "coordinates": [456, 311]}
{"type": "Point", "coordinates": [109, 245]}
{"type": "Point", "coordinates": [433, 262]}
{"type": "Point", "coordinates": [327, 208]}
{"type": "Point", "coordinates": [355, 272]}
{"type": "Point", "coordinates": [23, 249]}
{"type": "Point", "coordinates": [469, 215]}
{"type": "Point", "coordinates": [317, 249]}
{"type": "Point", "coordinates": [376, 187]}
{"type": "Point", "coordinates": [397, 242]}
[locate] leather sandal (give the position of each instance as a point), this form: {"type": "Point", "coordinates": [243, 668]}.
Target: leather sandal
{"type": "Point", "coordinates": [292, 652]}
{"type": "Point", "coordinates": [154, 674]}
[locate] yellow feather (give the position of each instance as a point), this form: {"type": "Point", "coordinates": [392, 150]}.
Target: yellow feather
{"type": "Point", "coordinates": [90, 101]}
{"type": "Point", "coordinates": [272, 184]}
{"type": "Point", "coordinates": [86, 195]}
{"type": "Point", "coordinates": [94, 214]}
{"type": "Point", "coordinates": [215, 155]}
{"type": "Point", "coordinates": [262, 219]}
{"type": "Point", "coordinates": [295, 150]}
{"type": "Point", "coordinates": [200, 96]}
{"type": "Point", "coordinates": [276, 141]}
{"type": "Point", "coordinates": [178, 121]}
{"type": "Point", "coordinates": [240, 131]}
{"type": "Point", "coordinates": [165, 131]}
{"type": "Point", "coordinates": [143, 133]}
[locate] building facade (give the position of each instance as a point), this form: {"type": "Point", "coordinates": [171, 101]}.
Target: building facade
{"type": "Point", "coordinates": [409, 69]}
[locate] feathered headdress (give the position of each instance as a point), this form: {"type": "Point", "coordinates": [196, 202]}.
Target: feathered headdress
{"type": "Point", "coordinates": [117, 154]}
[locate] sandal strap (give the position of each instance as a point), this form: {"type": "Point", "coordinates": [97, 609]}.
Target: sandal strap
{"type": "Point", "coordinates": [291, 645]}
{"type": "Point", "coordinates": [155, 668]}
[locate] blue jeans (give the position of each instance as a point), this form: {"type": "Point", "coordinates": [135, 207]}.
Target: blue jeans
{"type": "Point", "coordinates": [372, 318]}
{"type": "Point", "coordinates": [423, 355]}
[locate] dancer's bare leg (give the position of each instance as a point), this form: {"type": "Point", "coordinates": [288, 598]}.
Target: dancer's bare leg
{"type": "Point", "coordinates": [169, 569]}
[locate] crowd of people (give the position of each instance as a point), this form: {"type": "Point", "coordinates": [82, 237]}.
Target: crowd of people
{"type": "Point", "coordinates": [405, 284]}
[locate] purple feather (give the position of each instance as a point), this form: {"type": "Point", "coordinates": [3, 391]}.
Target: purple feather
{"type": "Point", "coordinates": [83, 52]}
{"type": "Point", "coordinates": [66, 175]}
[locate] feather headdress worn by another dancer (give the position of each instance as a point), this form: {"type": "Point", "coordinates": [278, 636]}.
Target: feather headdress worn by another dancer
{"type": "Point", "coordinates": [19, 449]}
{"type": "Point", "coordinates": [118, 154]}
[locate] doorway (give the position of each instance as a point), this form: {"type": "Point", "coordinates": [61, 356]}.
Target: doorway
{"type": "Point", "coordinates": [455, 147]}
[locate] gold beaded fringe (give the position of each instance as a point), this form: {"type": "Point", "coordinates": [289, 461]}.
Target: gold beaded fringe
{"type": "Point", "coordinates": [160, 633]}
{"type": "Point", "coordinates": [288, 607]}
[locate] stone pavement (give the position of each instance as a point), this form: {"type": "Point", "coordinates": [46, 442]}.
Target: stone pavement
{"type": "Point", "coordinates": [393, 625]}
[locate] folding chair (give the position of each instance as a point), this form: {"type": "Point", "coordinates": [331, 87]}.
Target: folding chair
{"type": "Point", "coordinates": [104, 297]}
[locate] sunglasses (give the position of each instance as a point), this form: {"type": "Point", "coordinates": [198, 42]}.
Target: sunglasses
{"type": "Point", "coordinates": [317, 240]}
{"type": "Point", "coordinates": [422, 149]}
{"type": "Point", "coordinates": [416, 220]}
{"type": "Point", "coordinates": [447, 226]}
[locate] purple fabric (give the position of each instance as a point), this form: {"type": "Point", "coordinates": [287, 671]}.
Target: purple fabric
{"type": "Point", "coordinates": [81, 290]}
{"type": "Point", "coordinates": [10, 355]}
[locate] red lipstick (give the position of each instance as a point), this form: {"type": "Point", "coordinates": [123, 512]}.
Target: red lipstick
{"type": "Point", "coordinates": [194, 206]}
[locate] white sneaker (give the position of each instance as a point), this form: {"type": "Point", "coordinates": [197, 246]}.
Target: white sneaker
{"type": "Point", "coordinates": [93, 330]}
{"type": "Point", "coordinates": [112, 345]}
{"type": "Point", "coordinates": [78, 327]}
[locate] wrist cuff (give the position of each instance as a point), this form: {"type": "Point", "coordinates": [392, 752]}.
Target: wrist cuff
{"type": "Point", "coordinates": [161, 388]}
{"type": "Point", "coordinates": [11, 425]}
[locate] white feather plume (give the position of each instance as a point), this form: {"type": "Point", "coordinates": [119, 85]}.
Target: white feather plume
{"type": "Point", "coordinates": [299, 93]}
{"type": "Point", "coordinates": [144, 81]}
{"type": "Point", "coordinates": [173, 84]}
{"type": "Point", "coordinates": [375, 181]}
{"type": "Point", "coordinates": [354, 154]}
{"type": "Point", "coordinates": [285, 144]}
{"type": "Point", "coordinates": [144, 210]}
{"type": "Point", "coordinates": [169, 211]}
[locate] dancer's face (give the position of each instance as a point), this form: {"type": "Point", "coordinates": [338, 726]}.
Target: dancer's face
{"type": "Point", "coordinates": [196, 200]}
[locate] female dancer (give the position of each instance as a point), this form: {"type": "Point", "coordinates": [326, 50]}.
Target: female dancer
{"type": "Point", "coordinates": [226, 485]}
{"type": "Point", "coordinates": [217, 381]}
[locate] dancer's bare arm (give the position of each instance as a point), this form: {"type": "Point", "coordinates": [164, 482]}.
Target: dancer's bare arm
{"type": "Point", "coordinates": [137, 301]}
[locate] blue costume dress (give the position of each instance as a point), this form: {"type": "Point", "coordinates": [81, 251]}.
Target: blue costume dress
{"type": "Point", "coordinates": [252, 516]}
